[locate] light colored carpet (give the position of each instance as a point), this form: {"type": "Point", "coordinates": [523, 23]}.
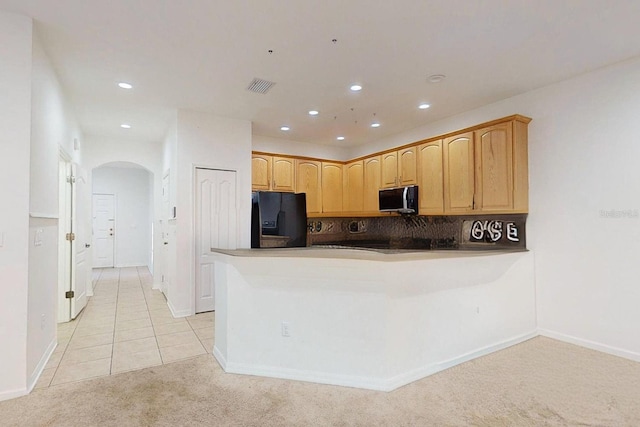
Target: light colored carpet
{"type": "Point", "coordinates": [540, 382]}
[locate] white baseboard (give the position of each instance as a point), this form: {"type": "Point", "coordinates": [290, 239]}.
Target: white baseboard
{"type": "Point", "coordinates": [591, 344]}
{"type": "Point", "coordinates": [371, 383]}
{"type": "Point", "coordinates": [12, 394]}
{"type": "Point", "coordinates": [425, 371]}
{"type": "Point", "coordinates": [35, 375]}
{"type": "Point", "coordinates": [220, 358]}
{"type": "Point", "coordinates": [178, 313]}
{"type": "Point", "coordinates": [309, 376]}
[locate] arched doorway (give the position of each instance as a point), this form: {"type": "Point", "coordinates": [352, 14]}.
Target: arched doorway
{"type": "Point", "coordinates": [122, 206]}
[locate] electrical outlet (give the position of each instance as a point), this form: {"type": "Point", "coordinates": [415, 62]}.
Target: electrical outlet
{"type": "Point", "coordinates": [286, 329]}
{"type": "Point", "coordinates": [42, 322]}
{"type": "Point", "coordinates": [478, 309]}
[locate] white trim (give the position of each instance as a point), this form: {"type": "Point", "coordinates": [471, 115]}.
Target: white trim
{"type": "Point", "coordinates": [127, 266]}
{"type": "Point", "coordinates": [620, 352]}
{"type": "Point", "coordinates": [33, 379]}
{"type": "Point", "coordinates": [44, 215]}
{"type": "Point", "coordinates": [12, 394]}
{"type": "Point", "coordinates": [425, 371]}
{"type": "Point", "coordinates": [371, 383]}
{"type": "Point", "coordinates": [220, 358]}
{"type": "Point", "coordinates": [178, 313]}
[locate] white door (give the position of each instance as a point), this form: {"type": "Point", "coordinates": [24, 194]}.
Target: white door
{"type": "Point", "coordinates": [66, 246]}
{"type": "Point", "coordinates": [163, 271]}
{"type": "Point", "coordinates": [80, 218]}
{"type": "Point", "coordinates": [215, 220]}
{"type": "Point", "coordinates": [103, 229]}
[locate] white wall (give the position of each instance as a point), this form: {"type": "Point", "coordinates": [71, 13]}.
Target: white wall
{"type": "Point", "coordinates": [99, 151]}
{"type": "Point", "coordinates": [168, 232]}
{"type": "Point", "coordinates": [296, 148]}
{"type": "Point", "coordinates": [204, 140]}
{"type": "Point", "coordinates": [15, 124]}
{"type": "Point", "coordinates": [53, 129]}
{"type": "Point", "coordinates": [365, 320]}
{"type": "Point", "coordinates": [133, 212]}
{"type": "Point", "coordinates": [583, 157]}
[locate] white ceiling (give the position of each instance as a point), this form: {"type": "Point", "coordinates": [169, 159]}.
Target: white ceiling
{"type": "Point", "coordinates": [202, 54]}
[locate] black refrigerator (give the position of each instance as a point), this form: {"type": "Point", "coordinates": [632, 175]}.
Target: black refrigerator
{"type": "Point", "coordinates": [278, 220]}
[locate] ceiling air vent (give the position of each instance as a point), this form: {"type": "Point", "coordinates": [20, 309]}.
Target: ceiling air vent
{"type": "Point", "coordinates": [260, 86]}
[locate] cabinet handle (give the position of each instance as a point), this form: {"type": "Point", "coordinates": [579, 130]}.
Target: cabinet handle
{"type": "Point", "coordinates": [473, 203]}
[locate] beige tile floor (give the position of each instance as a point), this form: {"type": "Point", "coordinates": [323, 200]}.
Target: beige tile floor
{"type": "Point", "coordinates": [125, 326]}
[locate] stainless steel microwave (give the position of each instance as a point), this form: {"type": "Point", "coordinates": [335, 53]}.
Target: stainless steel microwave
{"type": "Point", "coordinates": [402, 199]}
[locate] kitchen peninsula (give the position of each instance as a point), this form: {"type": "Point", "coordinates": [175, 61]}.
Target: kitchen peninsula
{"type": "Point", "coordinates": [367, 319]}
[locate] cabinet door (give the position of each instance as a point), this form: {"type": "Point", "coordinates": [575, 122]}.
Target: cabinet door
{"type": "Point", "coordinates": [407, 171]}
{"type": "Point", "coordinates": [308, 173]}
{"type": "Point", "coordinates": [494, 168]}
{"type": "Point", "coordinates": [372, 179]}
{"type": "Point", "coordinates": [331, 187]}
{"type": "Point", "coordinates": [390, 169]}
{"type": "Point", "coordinates": [458, 173]}
{"type": "Point", "coordinates": [283, 174]}
{"type": "Point", "coordinates": [260, 172]}
{"type": "Point", "coordinates": [430, 178]}
{"type": "Point", "coordinates": [353, 188]}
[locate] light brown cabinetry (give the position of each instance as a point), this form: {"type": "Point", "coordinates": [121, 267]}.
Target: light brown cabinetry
{"type": "Point", "coordinates": [332, 183]}
{"type": "Point", "coordinates": [486, 170]}
{"type": "Point", "coordinates": [494, 168]}
{"type": "Point", "coordinates": [430, 178]}
{"type": "Point", "coordinates": [372, 171]}
{"type": "Point", "coordinates": [308, 181]}
{"type": "Point", "coordinates": [272, 173]}
{"type": "Point", "coordinates": [399, 168]}
{"type": "Point", "coordinates": [502, 171]}
{"type": "Point", "coordinates": [481, 169]}
{"type": "Point", "coordinates": [458, 168]}
{"type": "Point", "coordinates": [353, 187]}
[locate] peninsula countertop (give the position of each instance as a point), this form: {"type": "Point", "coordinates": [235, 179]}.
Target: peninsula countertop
{"type": "Point", "coordinates": [365, 254]}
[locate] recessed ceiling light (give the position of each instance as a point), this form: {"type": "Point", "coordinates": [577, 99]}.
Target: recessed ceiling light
{"type": "Point", "coordinates": [340, 138]}
{"type": "Point", "coordinates": [313, 112]}
{"type": "Point", "coordinates": [424, 106]}
{"type": "Point", "coordinates": [355, 87]}
{"type": "Point", "coordinates": [285, 128]}
{"type": "Point", "coordinates": [375, 125]}
{"type": "Point", "coordinates": [125, 85]}
{"type": "Point", "coordinates": [436, 78]}
{"type": "Point", "coordinates": [125, 126]}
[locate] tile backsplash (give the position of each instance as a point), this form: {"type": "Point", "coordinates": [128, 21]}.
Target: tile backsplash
{"type": "Point", "coordinates": [482, 232]}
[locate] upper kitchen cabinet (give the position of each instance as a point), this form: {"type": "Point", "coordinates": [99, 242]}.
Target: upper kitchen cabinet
{"type": "Point", "coordinates": [459, 179]}
{"type": "Point", "coordinates": [502, 167]}
{"type": "Point", "coordinates": [353, 187]}
{"type": "Point", "coordinates": [332, 182]}
{"type": "Point", "coordinates": [372, 171]}
{"type": "Point", "coordinates": [272, 173]}
{"type": "Point", "coordinates": [430, 178]}
{"type": "Point", "coordinates": [486, 170]}
{"type": "Point", "coordinates": [399, 168]}
{"type": "Point", "coordinates": [261, 172]}
{"type": "Point", "coordinates": [308, 181]}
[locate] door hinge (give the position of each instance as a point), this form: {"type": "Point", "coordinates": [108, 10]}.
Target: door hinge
{"type": "Point", "coordinates": [71, 236]}
{"type": "Point", "coordinates": [69, 294]}
{"type": "Point", "coordinates": [71, 179]}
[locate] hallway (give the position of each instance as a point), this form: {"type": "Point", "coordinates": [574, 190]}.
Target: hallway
{"type": "Point", "coordinates": [125, 326]}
